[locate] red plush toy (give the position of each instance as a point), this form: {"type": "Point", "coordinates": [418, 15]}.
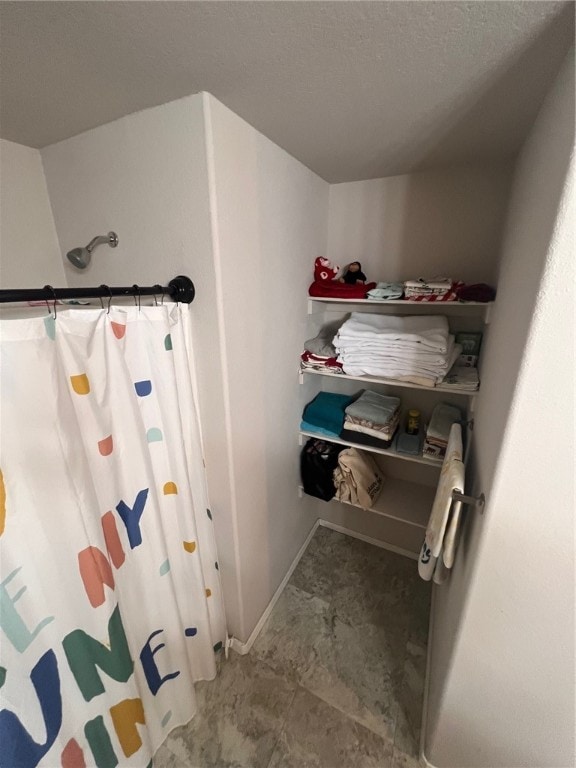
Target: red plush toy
{"type": "Point", "coordinates": [324, 271]}
{"type": "Point", "coordinates": [326, 283]}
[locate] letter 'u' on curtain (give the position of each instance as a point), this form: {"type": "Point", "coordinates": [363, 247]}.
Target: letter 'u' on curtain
{"type": "Point", "coordinates": [110, 597]}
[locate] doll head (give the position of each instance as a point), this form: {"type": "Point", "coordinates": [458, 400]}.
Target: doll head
{"type": "Point", "coordinates": [354, 266]}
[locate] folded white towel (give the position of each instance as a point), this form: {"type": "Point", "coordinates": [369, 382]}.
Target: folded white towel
{"type": "Point", "coordinates": [451, 478]}
{"type": "Point", "coordinates": [404, 353]}
{"type": "Point", "coordinates": [370, 366]}
{"type": "Point", "coordinates": [430, 331]}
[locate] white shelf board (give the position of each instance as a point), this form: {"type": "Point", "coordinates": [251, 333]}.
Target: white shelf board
{"type": "Point", "coordinates": [391, 382]}
{"type": "Point", "coordinates": [380, 451]}
{"type": "Point", "coordinates": [432, 307]}
{"type": "Point", "coordinates": [400, 500]}
{"type": "Point", "coordinates": [409, 503]}
{"type": "Point", "coordinates": [402, 302]}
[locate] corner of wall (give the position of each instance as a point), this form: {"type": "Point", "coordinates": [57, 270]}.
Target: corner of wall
{"type": "Point", "coordinates": [237, 622]}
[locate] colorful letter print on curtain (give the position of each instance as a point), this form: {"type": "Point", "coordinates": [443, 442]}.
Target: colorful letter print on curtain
{"type": "Point", "coordinates": [105, 619]}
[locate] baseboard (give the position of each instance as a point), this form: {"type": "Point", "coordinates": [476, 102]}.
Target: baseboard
{"type": "Point", "coordinates": [243, 648]}
{"type": "Point", "coordinates": [423, 762]}
{"type": "Point", "coordinates": [423, 759]}
{"type": "Point", "coordinates": [368, 539]}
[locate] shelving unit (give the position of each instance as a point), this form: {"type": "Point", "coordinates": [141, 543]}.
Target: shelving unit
{"type": "Point", "coordinates": [405, 502]}
{"type": "Point", "coordinates": [390, 452]}
{"type": "Point", "coordinates": [390, 382]}
{"type": "Point", "coordinates": [406, 499]}
{"type": "Point", "coordinates": [412, 307]}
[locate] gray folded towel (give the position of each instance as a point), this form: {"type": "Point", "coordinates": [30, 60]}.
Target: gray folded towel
{"type": "Point", "coordinates": [374, 407]}
{"type": "Point", "coordinates": [321, 345]}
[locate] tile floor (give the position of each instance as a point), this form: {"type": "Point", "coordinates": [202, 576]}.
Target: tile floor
{"type": "Point", "coordinates": [335, 678]}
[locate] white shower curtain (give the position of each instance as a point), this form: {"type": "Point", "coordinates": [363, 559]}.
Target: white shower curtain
{"type": "Point", "coordinates": [110, 595]}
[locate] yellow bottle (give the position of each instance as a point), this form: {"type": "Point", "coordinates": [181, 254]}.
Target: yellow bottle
{"type": "Point", "coordinates": [413, 423]}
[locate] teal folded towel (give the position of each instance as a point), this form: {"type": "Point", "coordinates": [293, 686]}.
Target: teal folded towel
{"type": "Point", "coordinates": [327, 411]}
{"type": "Point", "coordinates": [307, 427]}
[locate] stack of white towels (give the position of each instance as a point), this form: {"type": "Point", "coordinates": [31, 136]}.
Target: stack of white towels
{"type": "Point", "coordinates": [418, 348]}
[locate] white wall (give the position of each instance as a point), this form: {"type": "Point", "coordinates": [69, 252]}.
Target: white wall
{"type": "Point", "coordinates": [445, 221]}
{"type": "Point", "coordinates": [191, 188]}
{"type": "Point", "coordinates": [271, 221]}
{"type": "Point", "coordinates": [29, 252]}
{"type": "Point", "coordinates": [146, 177]}
{"type": "Point", "coordinates": [502, 669]}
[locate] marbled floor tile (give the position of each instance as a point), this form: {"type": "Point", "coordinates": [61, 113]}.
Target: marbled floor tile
{"type": "Point", "coordinates": [406, 738]}
{"type": "Point", "coordinates": [294, 633]}
{"type": "Point", "coordinates": [239, 721]}
{"type": "Point", "coordinates": [360, 673]}
{"type": "Point", "coordinates": [402, 760]}
{"type": "Point", "coordinates": [410, 700]}
{"type": "Point", "coordinates": [331, 561]}
{"type": "Point", "coordinates": [164, 758]}
{"type": "Point", "coordinates": [336, 672]}
{"type": "Point", "coordinates": [316, 735]}
{"type": "Point", "coordinates": [391, 596]}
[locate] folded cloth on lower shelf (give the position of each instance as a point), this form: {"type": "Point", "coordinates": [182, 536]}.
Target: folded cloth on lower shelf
{"type": "Point", "coordinates": [309, 360]}
{"type": "Point", "coordinates": [438, 287]}
{"type": "Point", "coordinates": [374, 408]}
{"type": "Point", "coordinates": [321, 345]}
{"type": "Point", "coordinates": [438, 548]}
{"type": "Point", "coordinates": [386, 292]}
{"type": "Point", "coordinates": [464, 378]}
{"type": "Point", "coordinates": [305, 426]}
{"type": "Point", "coordinates": [381, 433]}
{"type": "Point", "coordinates": [357, 478]}
{"type": "Point", "coordinates": [438, 430]}
{"type": "Point", "coordinates": [361, 438]}
{"type": "Point", "coordinates": [327, 411]}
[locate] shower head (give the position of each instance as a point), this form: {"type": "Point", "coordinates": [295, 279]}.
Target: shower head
{"type": "Point", "coordinates": [80, 257]}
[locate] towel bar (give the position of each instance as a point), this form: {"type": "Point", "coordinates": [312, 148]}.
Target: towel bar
{"type": "Point", "coordinates": [471, 500]}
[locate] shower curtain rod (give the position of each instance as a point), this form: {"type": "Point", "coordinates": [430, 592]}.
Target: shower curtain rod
{"type": "Point", "coordinates": [181, 288]}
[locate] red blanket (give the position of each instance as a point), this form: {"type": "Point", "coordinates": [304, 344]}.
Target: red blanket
{"type": "Point", "coordinates": [335, 290]}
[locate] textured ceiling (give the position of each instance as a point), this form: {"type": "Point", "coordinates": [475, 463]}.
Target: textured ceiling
{"type": "Point", "coordinates": [352, 89]}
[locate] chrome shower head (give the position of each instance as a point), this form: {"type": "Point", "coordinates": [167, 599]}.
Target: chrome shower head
{"type": "Point", "coordinates": [80, 257]}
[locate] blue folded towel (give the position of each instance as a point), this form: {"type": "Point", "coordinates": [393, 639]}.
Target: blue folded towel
{"type": "Point", "coordinates": [305, 426]}
{"type": "Point", "coordinates": [327, 411]}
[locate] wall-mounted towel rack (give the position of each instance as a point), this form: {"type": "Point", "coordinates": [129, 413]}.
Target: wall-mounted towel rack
{"type": "Point", "coordinates": [473, 501]}
{"type": "Point", "coordinates": [181, 288]}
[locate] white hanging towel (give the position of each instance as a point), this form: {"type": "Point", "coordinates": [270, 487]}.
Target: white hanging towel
{"type": "Point", "coordinates": [439, 534]}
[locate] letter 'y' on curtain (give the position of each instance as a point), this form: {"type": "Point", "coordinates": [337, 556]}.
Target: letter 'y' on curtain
{"type": "Point", "coordinates": [110, 597]}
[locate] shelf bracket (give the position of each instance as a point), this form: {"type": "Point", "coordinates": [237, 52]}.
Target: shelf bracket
{"type": "Point", "coordinates": [472, 501]}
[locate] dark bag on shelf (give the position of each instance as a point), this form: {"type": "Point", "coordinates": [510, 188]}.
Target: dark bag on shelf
{"type": "Point", "coordinates": [318, 461]}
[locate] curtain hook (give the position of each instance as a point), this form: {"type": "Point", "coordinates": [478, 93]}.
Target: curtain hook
{"type": "Point", "coordinates": [159, 289]}
{"type": "Point", "coordinates": [106, 288]}
{"type": "Point", "coordinates": [50, 288]}
{"type": "Point", "coordinates": [136, 289]}
{"type": "Point", "coordinates": [163, 292]}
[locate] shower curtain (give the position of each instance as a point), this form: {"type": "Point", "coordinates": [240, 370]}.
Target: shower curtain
{"type": "Point", "coordinates": [110, 599]}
